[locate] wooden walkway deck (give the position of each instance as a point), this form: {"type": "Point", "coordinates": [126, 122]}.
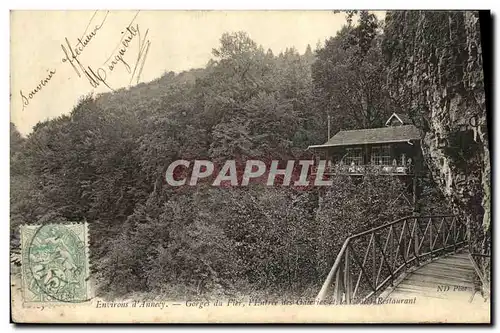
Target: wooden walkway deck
{"type": "Point", "coordinates": [448, 278]}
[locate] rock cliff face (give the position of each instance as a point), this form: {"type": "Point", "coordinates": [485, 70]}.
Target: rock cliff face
{"type": "Point", "coordinates": [436, 75]}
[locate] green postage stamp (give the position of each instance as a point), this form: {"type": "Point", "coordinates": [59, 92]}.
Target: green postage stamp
{"type": "Point", "coordinates": [54, 262]}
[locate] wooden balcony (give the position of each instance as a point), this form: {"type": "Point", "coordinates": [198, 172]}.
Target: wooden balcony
{"type": "Point", "coordinates": [360, 170]}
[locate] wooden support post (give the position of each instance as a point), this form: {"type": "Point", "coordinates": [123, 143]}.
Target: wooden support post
{"type": "Point", "coordinates": [366, 156]}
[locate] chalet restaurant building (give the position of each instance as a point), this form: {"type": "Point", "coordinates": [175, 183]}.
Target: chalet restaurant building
{"type": "Point", "coordinates": [393, 150]}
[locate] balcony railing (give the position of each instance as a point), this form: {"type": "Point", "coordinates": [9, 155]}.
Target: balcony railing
{"type": "Point", "coordinates": [342, 169]}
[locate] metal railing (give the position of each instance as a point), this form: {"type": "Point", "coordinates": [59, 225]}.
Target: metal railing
{"type": "Point", "coordinates": [370, 261]}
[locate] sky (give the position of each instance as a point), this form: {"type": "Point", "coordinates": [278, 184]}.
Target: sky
{"type": "Point", "coordinates": [52, 50]}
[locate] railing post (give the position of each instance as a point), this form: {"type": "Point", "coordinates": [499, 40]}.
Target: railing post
{"type": "Point", "coordinates": [415, 240]}
{"type": "Point", "coordinates": [347, 276]}
{"type": "Point", "coordinates": [374, 253]}
{"type": "Point", "coordinates": [391, 251]}
{"type": "Point", "coordinates": [338, 290]}
{"type": "Point", "coordinates": [405, 245]}
{"type": "Point", "coordinates": [337, 265]}
{"type": "Point", "coordinates": [443, 226]}
{"type": "Point", "coordinates": [468, 235]}
{"type": "Point", "coordinates": [430, 236]}
{"type": "Point", "coordinates": [454, 226]}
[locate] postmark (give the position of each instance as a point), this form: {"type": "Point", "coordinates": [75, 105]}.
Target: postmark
{"type": "Point", "coordinates": [54, 263]}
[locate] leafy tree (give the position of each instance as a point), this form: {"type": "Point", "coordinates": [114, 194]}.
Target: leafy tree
{"type": "Point", "coordinates": [349, 77]}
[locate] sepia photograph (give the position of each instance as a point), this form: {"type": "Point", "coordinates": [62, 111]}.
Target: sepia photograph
{"type": "Point", "coordinates": [259, 166]}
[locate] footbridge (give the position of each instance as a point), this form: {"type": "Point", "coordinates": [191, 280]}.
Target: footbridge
{"type": "Point", "coordinates": [425, 257]}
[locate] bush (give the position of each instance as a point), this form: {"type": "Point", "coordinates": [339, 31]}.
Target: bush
{"type": "Point", "coordinates": [214, 241]}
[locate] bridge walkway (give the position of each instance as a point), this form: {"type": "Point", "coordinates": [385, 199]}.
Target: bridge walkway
{"type": "Point", "coordinates": [448, 277]}
{"type": "Point", "coordinates": [424, 257]}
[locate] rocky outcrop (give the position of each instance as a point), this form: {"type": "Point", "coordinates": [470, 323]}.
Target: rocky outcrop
{"type": "Point", "coordinates": [474, 80]}
{"type": "Point", "coordinates": [436, 74]}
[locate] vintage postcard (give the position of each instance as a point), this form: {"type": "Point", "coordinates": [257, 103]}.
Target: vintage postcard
{"type": "Point", "coordinates": [250, 167]}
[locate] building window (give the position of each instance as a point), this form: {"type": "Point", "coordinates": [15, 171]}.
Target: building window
{"type": "Point", "coordinates": [381, 155]}
{"type": "Point", "coordinates": [354, 156]}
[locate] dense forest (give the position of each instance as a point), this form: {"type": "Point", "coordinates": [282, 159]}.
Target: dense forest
{"type": "Point", "coordinates": [104, 163]}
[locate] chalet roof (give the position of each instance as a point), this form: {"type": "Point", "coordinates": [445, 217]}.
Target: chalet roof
{"type": "Point", "coordinates": [373, 136]}
{"type": "Point", "coordinates": [401, 117]}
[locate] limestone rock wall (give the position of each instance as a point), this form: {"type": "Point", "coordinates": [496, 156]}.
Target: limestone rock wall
{"type": "Point", "coordinates": [436, 76]}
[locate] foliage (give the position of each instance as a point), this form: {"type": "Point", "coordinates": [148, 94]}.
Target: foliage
{"type": "Point", "coordinates": [349, 76]}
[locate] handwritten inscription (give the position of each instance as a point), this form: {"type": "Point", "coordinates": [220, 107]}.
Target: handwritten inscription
{"type": "Point", "coordinates": [96, 76]}
{"type": "Point", "coordinates": [130, 33]}
{"type": "Point", "coordinates": [74, 52]}
{"type": "Point", "coordinates": [71, 56]}
{"type": "Point", "coordinates": [26, 98]}
{"type": "Point", "coordinates": [99, 75]}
